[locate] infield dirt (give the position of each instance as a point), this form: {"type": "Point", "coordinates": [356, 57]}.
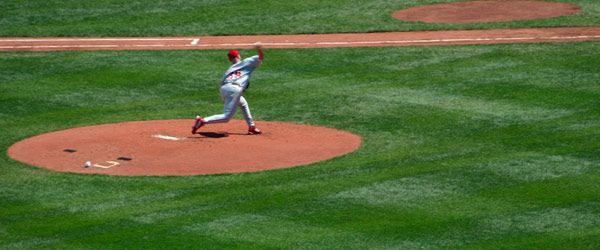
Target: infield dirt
{"type": "Point", "coordinates": [486, 11]}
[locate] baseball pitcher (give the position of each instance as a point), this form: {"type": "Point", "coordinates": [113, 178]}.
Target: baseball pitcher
{"type": "Point", "coordinates": [233, 84]}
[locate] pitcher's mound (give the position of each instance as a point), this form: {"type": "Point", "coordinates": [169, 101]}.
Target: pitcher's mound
{"type": "Point", "coordinates": [485, 11]}
{"type": "Point", "coordinates": [166, 147]}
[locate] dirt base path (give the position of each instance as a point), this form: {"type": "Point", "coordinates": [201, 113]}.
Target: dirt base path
{"type": "Point", "coordinates": [526, 35]}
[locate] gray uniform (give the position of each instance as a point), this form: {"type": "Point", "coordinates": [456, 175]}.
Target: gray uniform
{"type": "Point", "coordinates": [234, 82]}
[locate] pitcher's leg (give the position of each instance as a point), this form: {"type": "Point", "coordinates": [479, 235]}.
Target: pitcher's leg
{"type": "Point", "coordinates": [243, 104]}
{"type": "Point", "coordinates": [231, 96]}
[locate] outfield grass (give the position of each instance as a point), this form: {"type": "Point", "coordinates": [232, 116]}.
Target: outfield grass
{"type": "Point", "coordinates": [477, 146]}
{"type": "Point", "coordinates": [232, 17]}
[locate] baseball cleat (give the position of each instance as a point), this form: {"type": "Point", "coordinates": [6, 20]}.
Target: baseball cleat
{"type": "Point", "coordinates": [253, 130]}
{"type": "Point", "coordinates": [197, 124]}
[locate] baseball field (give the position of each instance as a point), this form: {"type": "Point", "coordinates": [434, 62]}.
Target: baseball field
{"type": "Point", "coordinates": [480, 146]}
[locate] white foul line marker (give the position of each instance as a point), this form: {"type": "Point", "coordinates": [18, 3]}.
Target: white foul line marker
{"type": "Point", "coordinates": [195, 41]}
{"type": "Point", "coordinates": [166, 137]}
{"type": "Point", "coordinates": [92, 39]}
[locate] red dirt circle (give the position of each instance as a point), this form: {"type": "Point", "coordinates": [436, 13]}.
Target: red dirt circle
{"type": "Point", "coordinates": [166, 147]}
{"type": "Point", "coordinates": [485, 11]}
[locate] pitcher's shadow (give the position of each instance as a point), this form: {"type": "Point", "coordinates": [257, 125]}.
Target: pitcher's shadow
{"type": "Point", "coordinates": [214, 135]}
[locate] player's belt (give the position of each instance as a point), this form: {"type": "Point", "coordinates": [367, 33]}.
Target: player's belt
{"type": "Point", "coordinates": [237, 84]}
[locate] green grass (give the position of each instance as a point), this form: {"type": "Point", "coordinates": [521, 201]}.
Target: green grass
{"type": "Point", "coordinates": [479, 146]}
{"type": "Point", "coordinates": [231, 17]}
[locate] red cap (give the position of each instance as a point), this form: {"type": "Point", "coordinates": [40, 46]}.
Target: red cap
{"type": "Point", "coordinates": [233, 54]}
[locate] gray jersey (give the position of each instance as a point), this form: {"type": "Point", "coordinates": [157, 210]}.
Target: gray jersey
{"type": "Point", "coordinates": [239, 73]}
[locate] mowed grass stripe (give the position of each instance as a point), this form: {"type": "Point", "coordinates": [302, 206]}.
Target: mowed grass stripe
{"type": "Point", "coordinates": [477, 108]}
{"type": "Point", "coordinates": [417, 189]}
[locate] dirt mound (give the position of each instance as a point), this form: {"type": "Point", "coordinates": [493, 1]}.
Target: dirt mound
{"type": "Point", "coordinates": [166, 147]}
